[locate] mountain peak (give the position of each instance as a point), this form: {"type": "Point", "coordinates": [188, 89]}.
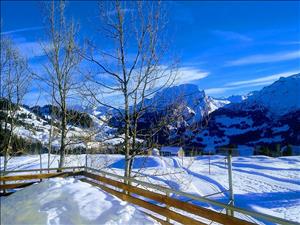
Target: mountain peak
{"type": "Point", "coordinates": [187, 93]}
{"type": "Point", "coordinates": [183, 89]}
{"type": "Point", "coordinates": [279, 98]}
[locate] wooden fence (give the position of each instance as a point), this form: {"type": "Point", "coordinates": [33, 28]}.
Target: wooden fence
{"type": "Point", "coordinates": [153, 198]}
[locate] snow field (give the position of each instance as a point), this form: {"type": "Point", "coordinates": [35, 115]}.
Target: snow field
{"type": "Point", "coordinates": [260, 183]}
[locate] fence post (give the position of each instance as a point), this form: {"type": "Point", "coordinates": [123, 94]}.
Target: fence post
{"type": "Point", "coordinates": [41, 165]}
{"type": "Point", "coordinates": [209, 163]}
{"type": "Point", "coordinates": [86, 161]}
{"type": "Point", "coordinates": [167, 206]}
{"type": "Point", "coordinates": [4, 190]}
{"type": "Point", "coordinates": [231, 195]}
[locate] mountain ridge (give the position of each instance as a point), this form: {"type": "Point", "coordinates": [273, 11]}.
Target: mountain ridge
{"type": "Point", "coordinates": [245, 120]}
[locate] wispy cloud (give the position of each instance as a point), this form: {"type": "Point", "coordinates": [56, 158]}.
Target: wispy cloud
{"type": "Point", "coordinates": [211, 91]}
{"type": "Point", "coordinates": [230, 35]}
{"type": "Point", "coordinates": [266, 58]}
{"type": "Point", "coordinates": [32, 49]}
{"type": "Point", "coordinates": [21, 30]}
{"type": "Point", "coordinates": [189, 74]}
{"type": "Point", "coordinates": [181, 75]}
{"type": "Point", "coordinates": [261, 81]}
{"type": "Point", "coordinates": [289, 43]}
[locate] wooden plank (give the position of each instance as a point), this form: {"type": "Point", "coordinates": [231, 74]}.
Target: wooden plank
{"type": "Point", "coordinates": [15, 186]}
{"type": "Point", "coordinates": [154, 208]}
{"type": "Point", "coordinates": [37, 170]}
{"type": "Point", "coordinates": [37, 176]}
{"type": "Point", "coordinates": [104, 179]}
{"type": "Point", "coordinates": [188, 207]}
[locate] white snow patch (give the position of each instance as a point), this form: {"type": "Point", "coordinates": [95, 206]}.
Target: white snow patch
{"type": "Point", "coordinates": [227, 121]}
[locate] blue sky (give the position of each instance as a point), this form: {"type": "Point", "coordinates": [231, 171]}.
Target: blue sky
{"type": "Point", "coordinates": [224, 47]}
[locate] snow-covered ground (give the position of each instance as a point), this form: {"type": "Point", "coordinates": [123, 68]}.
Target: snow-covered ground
{"type": "Point", "coordinates": [260, 183]}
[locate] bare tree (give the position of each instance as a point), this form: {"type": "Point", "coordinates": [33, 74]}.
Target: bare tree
{"type": "Point", "coordinates": [63, 56]}
{"type": "Point", "coordinates": [134, 68]}
{"type": "Point", "coordinates": [50, 131]}
{"type": "Point", "coordinates": [15, 80]}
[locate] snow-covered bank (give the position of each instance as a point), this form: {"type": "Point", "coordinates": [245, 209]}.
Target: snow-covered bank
{"type": "Point", "coordinates": [68, 201]}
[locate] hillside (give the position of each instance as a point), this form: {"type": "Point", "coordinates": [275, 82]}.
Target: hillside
{"type": "Point", "coordinates": [269, 117]}
{"type": "Point", "coordinates": [32, 129]}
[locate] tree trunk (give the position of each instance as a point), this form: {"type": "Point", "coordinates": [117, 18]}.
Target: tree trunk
{"type": "Point", "coordinates": [49, 146]}
{"type": "Point", "coordinates": [7, 145]}
{"type": "Point", "coordinates": [126, 141]}
{"type": "Point", "coordinates": [5, 149]}
{"type": "Point", "coordinates": [63, 138]}
{"type": "Point", "coordinates": [6, 156]}
{"type": "Point", "coordinates": [50, 132]}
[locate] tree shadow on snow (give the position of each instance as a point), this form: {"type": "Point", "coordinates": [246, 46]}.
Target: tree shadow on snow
{"type": "Point", "coordinates": [138, 162]}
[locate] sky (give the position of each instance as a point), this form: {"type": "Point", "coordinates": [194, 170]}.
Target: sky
{"type": "Point", "coordinates": [226, 48]}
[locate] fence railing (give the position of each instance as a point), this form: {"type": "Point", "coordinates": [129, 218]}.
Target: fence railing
{"type": "Point", "coordinates": [149, 196]}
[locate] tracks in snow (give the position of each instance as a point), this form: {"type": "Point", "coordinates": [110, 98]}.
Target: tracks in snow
{"type": "Point", "coordinates": [214, 185]}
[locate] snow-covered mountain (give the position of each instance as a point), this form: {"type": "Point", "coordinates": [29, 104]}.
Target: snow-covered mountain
{"type": "Point", "coordinates": [267, 117]}
{"type": "Point", "coordinates": [177, 109]}
{"type": "Point", "coordinates": [193, 103]}
{"type": "Point", "coordinates": [279, 98]}
{"type": "Point", "coordinates": [187, 93]}
{"type": "Point", "coordinates": [214, 103]}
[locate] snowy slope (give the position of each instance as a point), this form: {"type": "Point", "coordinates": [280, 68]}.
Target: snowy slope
{"type": "Point", "coordinates": [33, 127]}
{"type": "Point", "coordinates": [221, 102]}
{"type": "Point", "coordinates": [214, 104]}
{"type": "Point", "coordinates": [252, 128]}
{"type": "Point", "coordinates": [36, 128]}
